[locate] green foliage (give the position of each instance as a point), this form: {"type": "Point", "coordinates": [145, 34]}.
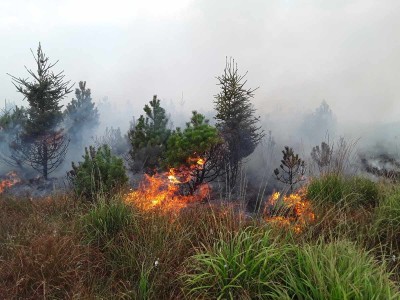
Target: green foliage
{"type": "Point", "coordinates": [197, 140]}
{"type": "Point", "coordinates": [10, 119]}
{"type": "Point", "coordinates": [43, 94]}
{"type": "Point", "coordinates": [148, 138]}
{"type": "Point", "coordinates": [292, 168]}
{"type": "Point", "coordinates": [81, 114]}
{"type": "Point", "coordinates": [337, 189]}
{"type": "Point", "coordinates": [99, 173]}
{"type": "Point", "coordinates": [248, 265]}
{"type": "Point", "coordinates": [336, 270]}
{"type": "Point", "coordinates": [105, 220]}
{"type": "Point", "coordinates": [235, 119]}
{"type": "Point", "coordinates": [42, 145]}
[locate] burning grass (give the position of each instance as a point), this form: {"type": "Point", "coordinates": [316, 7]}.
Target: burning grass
{"type": "Point", "coordinates": [293, 211]}
{"type": "Point", "coordinates": [61, 248]}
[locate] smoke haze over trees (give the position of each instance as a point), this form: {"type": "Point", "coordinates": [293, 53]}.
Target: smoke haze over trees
{"type": "Point", "coordinates": [302, 54]}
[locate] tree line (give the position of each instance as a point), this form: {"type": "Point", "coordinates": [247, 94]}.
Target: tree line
{"type": "Point", "coordinates": [38, 136]}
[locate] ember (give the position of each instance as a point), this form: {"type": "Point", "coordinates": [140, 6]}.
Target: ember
{"type": "Point", "coordinates": [11, 179]}
{"type": "Point", "coordinates": [292, 210]}
{"type": "Point", "coordinates": [167, 190]}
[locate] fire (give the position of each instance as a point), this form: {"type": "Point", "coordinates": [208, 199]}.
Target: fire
{"type": "Point", "coordinates": [164, 190]}
{"type": "Point", "coordinates": [291, 210]}
{"type": "Point", "coordinates": [11, 179]}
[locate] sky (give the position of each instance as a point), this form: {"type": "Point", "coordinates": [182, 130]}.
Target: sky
{"type": "Point", "coordinates": [298, 53]}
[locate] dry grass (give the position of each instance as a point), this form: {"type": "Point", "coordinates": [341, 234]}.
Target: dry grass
{"type": "Point", "coordinates": [45, 253]}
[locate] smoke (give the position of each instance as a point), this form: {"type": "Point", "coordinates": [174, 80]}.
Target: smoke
{"type": "Point", "coordinates": [299, 54]}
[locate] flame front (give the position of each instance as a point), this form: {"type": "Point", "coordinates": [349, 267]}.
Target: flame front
{"type": "Point", "coordinates": [163, 190]}
{"type": "Point", "coordinates": [11, 179]}
{"type": "Point", "coordinates": [296, 211]}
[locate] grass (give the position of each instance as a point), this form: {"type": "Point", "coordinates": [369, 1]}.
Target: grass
{"type": "Point", "coordinates": [336, 270]}
{"type": "Point", "coordinates": [345, 191]}
{"type": "Point", "coordinates": [105, 221]}
{"type": "Point", "coordinates": [59, 247]}
{"type": "Point", "coordinates": [245, 264]}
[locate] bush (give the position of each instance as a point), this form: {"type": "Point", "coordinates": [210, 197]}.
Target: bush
{"type": "Point", "coordinates": [248, 265]}
{"type": "Point", "coordinates": [337, 189]}
{"type": "Point", "coordinates": [105, 220]}
{"type": "Point", "coordinates": [337, 270]}
{"type": "Point", "coordinates": [99, 173]}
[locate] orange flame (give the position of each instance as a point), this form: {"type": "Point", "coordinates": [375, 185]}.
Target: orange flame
{"type": "Point", "coordinates": [296, 211]}
{"type": "Point", "coordinates": [12, 179]}
{"type": "Point", "coordinates": [164, 190]}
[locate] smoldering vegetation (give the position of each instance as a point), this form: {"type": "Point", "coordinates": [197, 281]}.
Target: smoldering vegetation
{"type": "Point", "coordinates": [371, 150]}
{"type": "Point", "coordinates": [97, 201]}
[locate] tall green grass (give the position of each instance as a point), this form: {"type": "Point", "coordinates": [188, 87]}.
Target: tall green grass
{"type": "Point", "coordinates": [336, 270]}
{"type": "Point", "coordinates": [387, 214]}
{"type": "Point", "coordinates": [344, 191]}
{"type": "Point", "coordinates": [105, 220]}
{"type": "Point", "coordinates": [246, 265]}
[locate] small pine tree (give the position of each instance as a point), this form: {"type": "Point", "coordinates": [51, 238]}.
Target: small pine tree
{"type": "Point", "coordinates": [42, 144]}
{"type": "Point", "coordinates": [12, 121]}
{"type": "Point", "coordinates": [235, 119]}
{"type": "Point", "coordinates": [113, 138]}
{"type": "Point", "coordinates": [319, 124]}
{"type": "Point", "coordinates": [148, 138]}
{"type": "Point", "coordinates": [81, 115]}
{"type": "Point", "coordinates": [198, 140]}
{"type": "Point", "coordinates": [322, 156]}
{"type": "Point", "coordinates": [99, 173]}
{"type": "Point", "coordinates": [292, 168]}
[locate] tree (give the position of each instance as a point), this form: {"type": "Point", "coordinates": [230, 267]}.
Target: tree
{"type": "Point", "coordinates": [113, 138]}
{"type": "Point", "coordinates": [101, 172]}
{"type": "Point", "coordinates": [317, 125]}
{"type": "Point", "coordinates": [12, 120]}
{"type": "Point", "coordinates": [148, 138]}
{"type": "Point", "coordinates": [322, 156]}
{"type": "Point", "coordinates": [42, 144]}
{"type": "Point", "coordinates": [196, 151]}
{"type": "Point", "coordinates": [235, 119]}
{"type": "Point", "coordinates": [292, 168]}
{"type": "Point", "coordinates": [81, 115]}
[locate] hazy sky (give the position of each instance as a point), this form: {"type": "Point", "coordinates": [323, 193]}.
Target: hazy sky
{"type": "Point", "coordinates": [298, 52]}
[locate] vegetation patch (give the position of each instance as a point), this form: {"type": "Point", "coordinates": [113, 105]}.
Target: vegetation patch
{"type": "Point", "coordinates": [344, 191]}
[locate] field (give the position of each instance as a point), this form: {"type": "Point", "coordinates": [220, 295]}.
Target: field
{"type": "Point", "coordinates": [63, 247]}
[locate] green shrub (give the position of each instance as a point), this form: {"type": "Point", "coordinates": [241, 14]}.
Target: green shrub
{"type": "Point", "coordinates": [105, 220]}
{"type": "Point", "coordinates": [337, 189]}
{"type": "Point", "coordinates": [246, 266]}
{"type": "Point", "coordinates": [101, 173]}
{"type": "Point", "coordinates": [337, 270]}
